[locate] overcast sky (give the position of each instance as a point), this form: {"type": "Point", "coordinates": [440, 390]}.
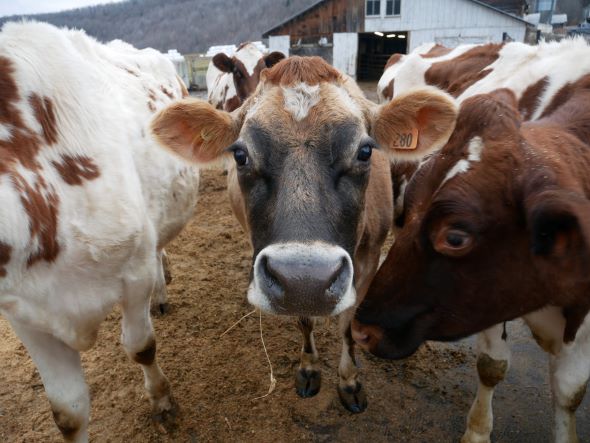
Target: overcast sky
{"type": "Point", "coordinates": [12, 7]}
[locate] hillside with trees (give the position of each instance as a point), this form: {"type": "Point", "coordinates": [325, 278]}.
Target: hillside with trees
{"type": "Point", "coordinates": [187, 25]}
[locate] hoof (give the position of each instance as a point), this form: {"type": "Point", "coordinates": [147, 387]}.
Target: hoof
{"type": "Point", "coordinates": [307, 382]}
{"type": "Point", "coordinates": [353, 398]}
{"type": "Point", "coordinates": [164, 418]}
{"type": "Point", "coordinates": [161, 309]}
{"type": "Point", "coordinates": [474, 437]}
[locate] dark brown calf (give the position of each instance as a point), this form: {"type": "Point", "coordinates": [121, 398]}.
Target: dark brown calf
{"type": "Point", "coordinates": [496, 226]}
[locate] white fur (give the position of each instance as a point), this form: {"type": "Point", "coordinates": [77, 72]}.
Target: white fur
{"type": "Point", "coordinates": [299, 99]}
{"type": "Point", "coordinates": [110, 228]}
{"type": "Point", "coordinates": [317, 250]}
{"type": "Point", "coordinates": [474, 155]}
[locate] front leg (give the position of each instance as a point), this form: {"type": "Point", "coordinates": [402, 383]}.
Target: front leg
{"type": "Point", "coordinates": [350, 390]}
{"type": "Point", "coordinates": [308, 378]}
{"type": "Point", "coordinates": [493, 359]}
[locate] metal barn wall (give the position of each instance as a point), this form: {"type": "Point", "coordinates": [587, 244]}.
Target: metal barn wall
{"type": "Point", "coordinates": [458, 21]}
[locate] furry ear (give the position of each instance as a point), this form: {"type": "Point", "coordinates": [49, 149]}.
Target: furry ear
{"type": "Point", "coordinates": [558, 221]}
{"type": "Point", "coordinates": [195, 130]}
{"type": "Point", "coordinates": [273, 58]}
{"type": "Point", "coordinates": [223, 62]}
{"type": "Point", "coordinates": [415, 124]}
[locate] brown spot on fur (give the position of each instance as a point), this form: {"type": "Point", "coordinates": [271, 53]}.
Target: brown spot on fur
{"type": "Point", "coordinates": [152, 95]}
{"type": "Point", "coordinates": [232, 104]}
{"type": "Point", "coordinates": [565, 93]}
{"type": "Point", "coordinates": [491, 372]}
{"type": "Point", "coordinates": [151, 106]}
{"type": "Point", "coordinates": [388, 91]}
{"type": "Point", "coordinates": [147, 356]}
{"type": "Point", "coordinates": [577, 398]}
{"type": "Point", "coordinates": [74, 169]}
{"type": "Point", "coordinates": [530, 98]}
{"type": "Point", "coordinates": [459, 73]}
{"type": "Point", "coordinates": [5, 251]}
{"type": "Point", "coordinates": [436, 51]}
{"type": "Point", "coordinates": [67, 425]}
{"type": "Point", "coordinates": [167, 91]}
{"type": "Point", "coordinates": [43, 109]}
{"type": "Point", "coordinates": [310, 70]}
{"type": "Point", "coordinates": [133, 73]}
{"type": "Point", "coordinates": [392, 60]}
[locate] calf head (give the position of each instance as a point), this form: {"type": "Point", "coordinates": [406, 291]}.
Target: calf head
{"type": "Point", "coordinates": [245, 67]}
{"type": "Point", "coordinates": [303, 161]}
{"type": "Point", "coordinates": [495, 225]}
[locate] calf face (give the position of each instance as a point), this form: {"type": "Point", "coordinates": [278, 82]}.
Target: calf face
{"type": "Point", "coordinates": [305, 165]}
{"type": "Point", "coordinates": [496, 225]}
{"type": "Point", "coordinates": [245, 67]}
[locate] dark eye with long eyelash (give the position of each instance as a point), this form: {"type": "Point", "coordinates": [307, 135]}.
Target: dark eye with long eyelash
{"type": "Point", "coordinates": [364, 153]}
{"type": "Point", "coordinates": [240, 156]}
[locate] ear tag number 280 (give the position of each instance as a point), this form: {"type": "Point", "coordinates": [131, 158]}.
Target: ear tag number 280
{"type": "Point", "coordinates": [406, 140]}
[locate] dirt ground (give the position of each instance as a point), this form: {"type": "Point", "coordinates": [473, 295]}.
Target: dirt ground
{"type": "Point", "coordinates": [216, 379]}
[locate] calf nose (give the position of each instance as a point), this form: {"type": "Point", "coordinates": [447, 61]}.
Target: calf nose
{"type": "Point", "coordinates": [300, 279]}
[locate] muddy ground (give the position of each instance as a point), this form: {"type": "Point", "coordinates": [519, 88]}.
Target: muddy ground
{"type": "Point", "coordinates": [216, 379]}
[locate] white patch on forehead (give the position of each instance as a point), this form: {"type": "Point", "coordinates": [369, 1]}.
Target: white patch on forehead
{"type": "Point", "coordinates": [474, 155]}
{"type": "Point", "coordinates": [299, 99]}
{"type": "Point", "coordinates": [249, 55]}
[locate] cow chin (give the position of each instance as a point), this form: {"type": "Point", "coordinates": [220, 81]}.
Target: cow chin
{"type": "Point", "coordinates": [302, 279]}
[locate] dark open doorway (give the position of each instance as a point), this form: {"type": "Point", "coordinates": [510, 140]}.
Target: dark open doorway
{"type": "Point", "coordinates": [375, 49]}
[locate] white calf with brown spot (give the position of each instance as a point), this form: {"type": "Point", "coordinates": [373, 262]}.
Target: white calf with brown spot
{"type": "Point", "coordinates": [89, 202]}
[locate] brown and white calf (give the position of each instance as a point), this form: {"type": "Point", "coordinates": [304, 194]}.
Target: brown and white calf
{"type": "Point", "coordinates": [88, 203]}
{"type": "Point", "coordinates": [496, 226]}
{"type": "Point", "coordinates": [231, 80]}
{"type": "Point", "coordinates": [309, 188]}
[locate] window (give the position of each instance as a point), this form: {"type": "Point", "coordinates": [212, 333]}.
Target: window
{"type": "Point", "coordinates": [373, 7]}
{"type": "Point", "coordinates": [393, 7]}
{"type": "Point", "coordinates": [544, 5]}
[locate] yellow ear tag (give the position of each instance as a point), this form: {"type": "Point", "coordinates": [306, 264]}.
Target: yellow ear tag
{"type": "Point", "coordinates": [407, 141]}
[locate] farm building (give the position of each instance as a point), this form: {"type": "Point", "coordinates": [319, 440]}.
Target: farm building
{"type": "Point", "coordinates": [358, 36]}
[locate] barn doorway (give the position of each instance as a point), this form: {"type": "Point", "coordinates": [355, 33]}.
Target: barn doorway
{"type": "Point", "coordinates": [374, 50]}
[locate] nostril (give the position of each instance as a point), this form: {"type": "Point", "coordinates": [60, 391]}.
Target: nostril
{"type": "Point", "coordinates": [272, 277]}
{"type": "Point", "coordinates": [338, 281]}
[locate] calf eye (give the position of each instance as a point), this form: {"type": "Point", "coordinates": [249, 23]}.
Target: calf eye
{"type": "Point", "coordinates": [453, 242]}
{"type": "Point", "coordinates": [364, 153]}
{"type": "Point", "coordinates": [240, 156]}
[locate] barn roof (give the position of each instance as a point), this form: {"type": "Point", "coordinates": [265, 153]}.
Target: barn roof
{"type": "Point", "coordinates": [320, 2]}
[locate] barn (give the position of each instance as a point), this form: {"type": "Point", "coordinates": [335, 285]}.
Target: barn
{"type": "Point", "coordinates": [357, 36]}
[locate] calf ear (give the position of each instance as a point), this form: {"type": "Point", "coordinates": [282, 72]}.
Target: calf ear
{"type": "Point", "coordinates": [223, 62]}
{"type": "Point", "coordinates": [273, 58]}
{"type": "Point", "coordinates": [559, 226]}
{"type": "Point", "coordinates": [195, 130]}
{"type": "Point", "coordinates": [415, 124]}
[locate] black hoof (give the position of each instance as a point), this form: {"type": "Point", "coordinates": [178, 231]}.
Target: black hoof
{"type": "Point", "coordinates": [307, 382]}
{"type": "Point", "coordinates": [161, 309]}
{"type": "Point", "coordinates": [165, 421]}
{"type": "Point", "coordinates": [353, 398]}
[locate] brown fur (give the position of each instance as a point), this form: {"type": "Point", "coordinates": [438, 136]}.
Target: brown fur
{"type": "Point", "coordinates": [183, 91]}
{"type": "Point", "coordinates": [530, 98]}
{"type": "Point", "coordinates": [437, 51]}
{"type": "Point", "coordinates": [195, 130]}
{"type": "Point", "coordinates": [74, 170]}
{"type": "Point", "coordinates": [310, 70]}
{"type": "Point", "coordinates": [5, 251]}
{"type": "Point", "coordinates": [43, 109]}
{"type": "Point", "coordinates": [388, 91]}
{"type": "Point", "coordinates": [459, 73]}
{"type": "Point", "coordinates": [392, 60]}
{"type": "Point", "coordinates": [167, 92]}
{"type": "Point", "coordinates": [431, 112]}
{"type": "Point", "coordinates": [148, 355]}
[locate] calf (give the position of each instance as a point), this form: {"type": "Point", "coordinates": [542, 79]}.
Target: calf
{"type": "Point", "coordinates": [309, 188]}
{"type": "Point", "coordinates": [231, 80]}
{"type": "Point", "coordinates": [88, 201]}
{"type": "Point", "coordinates": [496, 226]}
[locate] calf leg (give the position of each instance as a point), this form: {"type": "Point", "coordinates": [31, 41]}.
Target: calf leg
{"type": "Point", "coordinates": [160, 296]}
{"type": "Point", "coordinates": [140, 344]}
{"type": "Point", "coordinates": [63, 379]}
{"type": "Point", "coordinates": [350, 390]}
{"type": "Point", "coordinates": [570, 370]}
{"type": "Point", "coordinates": [493, 359]}
{"type": "Point", "coordinates": [308, 378]}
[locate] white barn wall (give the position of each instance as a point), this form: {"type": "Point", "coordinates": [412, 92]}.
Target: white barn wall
{"type": "Point", "coordinates": [434, 20]}
{"type": "Point", "coordinates": [281, 43]}
{"type": "Point", "coordinates": [345, 52]}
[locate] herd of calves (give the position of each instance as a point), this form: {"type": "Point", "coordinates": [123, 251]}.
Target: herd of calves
{"type": "Point", "coordinates": [478, 158]}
